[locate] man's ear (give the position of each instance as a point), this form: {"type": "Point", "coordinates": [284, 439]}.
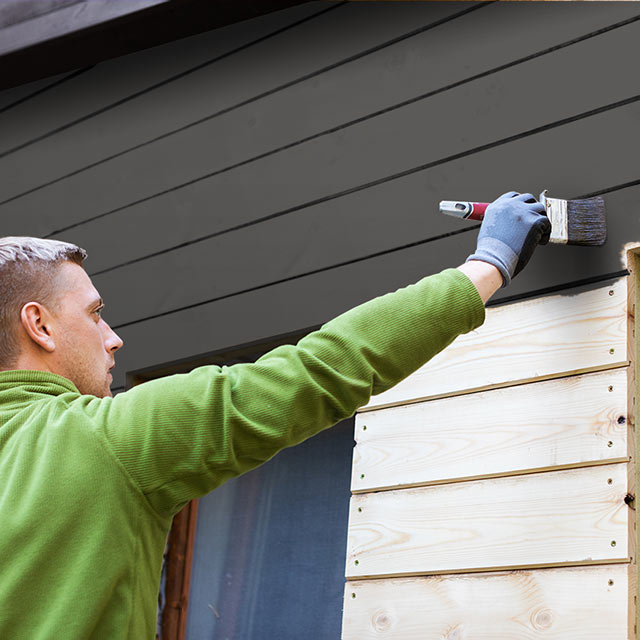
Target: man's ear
{"type": "Point", "coordinates": [35, 319]}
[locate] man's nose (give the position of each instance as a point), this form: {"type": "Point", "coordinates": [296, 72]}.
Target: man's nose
{"type": "Point", "coordinates": [113, 341]}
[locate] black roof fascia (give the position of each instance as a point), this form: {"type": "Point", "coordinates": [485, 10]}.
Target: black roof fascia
{"type": "Point", "coordinates": [150, 27]}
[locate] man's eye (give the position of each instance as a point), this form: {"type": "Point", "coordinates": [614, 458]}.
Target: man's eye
{"type": "Point", "coordinates": [99, 312]}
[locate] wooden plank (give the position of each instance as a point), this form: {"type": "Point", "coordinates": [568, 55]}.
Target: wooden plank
{"type": "Point", "coordinates": [530, 340]}
{"type": "Point", "coordinates": [555, 604]}
{"type": "Point", "coordinates": [559, 518]}
{"type": "Point", "coordinates": [10, 96]}
{"type": "Point", "coordinates": [561, 423]}
{"type": "Point", "coordinates": [476, 113]}
{"type": "Point", "coordinates": [241, 76]}
{"type": "Point", "coordinates": [633, 264]}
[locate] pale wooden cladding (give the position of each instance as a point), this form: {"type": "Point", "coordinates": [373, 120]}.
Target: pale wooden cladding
{"type": "Point", "coordinates": [505, 513]}
{"type": "Point", "coordinates": [530, 340]}
{"type": "Point", "coordinates": [555, 604]}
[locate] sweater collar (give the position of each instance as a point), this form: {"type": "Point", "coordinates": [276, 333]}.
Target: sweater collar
{"type": "Point", "coordinates": [33, 382]}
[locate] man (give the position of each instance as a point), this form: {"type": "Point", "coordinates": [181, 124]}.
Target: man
{"type": "Point", "coordinates": [90, 482]}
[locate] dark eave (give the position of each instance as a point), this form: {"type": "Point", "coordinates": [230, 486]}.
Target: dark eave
{"type": "Point", "coordinates": [41, 38]}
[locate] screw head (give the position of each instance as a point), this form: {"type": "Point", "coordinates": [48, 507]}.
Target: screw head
{"type": "Point", "coordinates": [613, 543]}
{"type": "Point", "coordinates": [612, 351]}
{"type": "Point", "coordinates": [610, 388]}
{"type": "Point", "coordinates": [610, 444]}
{"type": "Point", "coordinates": [611, 292]}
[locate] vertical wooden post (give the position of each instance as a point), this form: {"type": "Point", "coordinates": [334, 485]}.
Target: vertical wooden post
{"type": "Point", "coordinates": [633, 265]}
{"type": "Point", "coordinates": [178, 577]}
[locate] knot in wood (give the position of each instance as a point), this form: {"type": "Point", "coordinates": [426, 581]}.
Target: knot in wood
{"type": "Point", "coordinates": [457, 633]}
{"type": "Point", "coordinates": [543, 619]}
{"type": "Point", "coordinates": [382, 621]}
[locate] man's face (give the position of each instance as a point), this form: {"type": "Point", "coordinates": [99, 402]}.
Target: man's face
{"type": "Point", "coordinates": [84, 342]}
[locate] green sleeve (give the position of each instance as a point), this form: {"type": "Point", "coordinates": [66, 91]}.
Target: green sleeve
{"type": "Point", "coordinates": [181, 436]}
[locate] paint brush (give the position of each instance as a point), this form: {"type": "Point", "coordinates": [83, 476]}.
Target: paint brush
{"type": "Point", "coordinates": [579, 222]}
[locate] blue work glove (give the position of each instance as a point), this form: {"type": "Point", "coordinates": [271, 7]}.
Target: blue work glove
{"type": "Point", "coordinates": [513, 226]}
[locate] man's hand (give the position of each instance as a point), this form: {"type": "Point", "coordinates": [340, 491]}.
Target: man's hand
{"type": "Point", "coordinates": [513, 226]}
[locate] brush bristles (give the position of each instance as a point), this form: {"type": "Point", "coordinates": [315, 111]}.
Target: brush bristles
{"type": "Point", "coordinates": [586, 224]}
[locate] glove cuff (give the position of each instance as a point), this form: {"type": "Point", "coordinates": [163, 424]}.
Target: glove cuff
{"type": "Point", "coordinates": [499, 254]}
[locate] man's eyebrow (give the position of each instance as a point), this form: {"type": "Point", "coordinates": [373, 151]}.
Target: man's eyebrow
{"type": "Point", "coordinates": [95, 303]}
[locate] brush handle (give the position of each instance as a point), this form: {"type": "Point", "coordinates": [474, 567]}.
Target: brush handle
{"type": "Point", "coordinates": [556, 212]}
{"type": "Point", "coordinates": [463, 209]}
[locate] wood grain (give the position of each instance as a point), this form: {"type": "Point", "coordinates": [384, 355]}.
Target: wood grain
{"type": "Point", "coordinates": [632, 259]}
{"type": "Point", "coordinates": [530, 340]}
{"type": "Point", "coordinates": [558, 518]}
{"type": "Point", "coordinates": [544, 425]}
{"type": "Point", "coordinates": [551, 604]}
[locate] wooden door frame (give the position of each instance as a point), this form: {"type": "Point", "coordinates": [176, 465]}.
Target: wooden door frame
{"type": "Point", "coordinates": [179, 559]}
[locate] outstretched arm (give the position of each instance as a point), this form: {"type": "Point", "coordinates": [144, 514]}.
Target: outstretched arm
{"type": "Point", "coordinates": [485, 277]}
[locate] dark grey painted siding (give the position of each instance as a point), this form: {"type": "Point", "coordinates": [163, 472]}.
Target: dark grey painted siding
{"type": "Point", "coordinates": [259, 179]}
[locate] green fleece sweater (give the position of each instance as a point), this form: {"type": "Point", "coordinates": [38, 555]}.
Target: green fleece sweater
{"type": "Point", "coordinates": [89, 486]}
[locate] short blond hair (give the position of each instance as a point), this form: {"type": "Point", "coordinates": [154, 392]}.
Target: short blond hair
{"type": "Point", "coordinates": [28, 273]}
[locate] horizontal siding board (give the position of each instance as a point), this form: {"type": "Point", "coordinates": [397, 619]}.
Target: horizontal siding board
{"type": "Point", "coordinates": [376, 148]}
{"type": "Point", "coordinates": [377, 219]}
{"type": "Point", "coordinates": [242, 76]}
{"type": "Point", "coordinates": [539, 426]}
{"type": "Point", "coordinates": [383, 146]}
{"type": "Point", "coordinates": [558, 518]}
{"type": "Point", "coordinates": [555, 604]}
{"type": "Point", "coordinates": [117, 79]}
{"type": "Point", "coordinates": [16, 95]}
{"type": "Point", "coordinates": [529, 340]}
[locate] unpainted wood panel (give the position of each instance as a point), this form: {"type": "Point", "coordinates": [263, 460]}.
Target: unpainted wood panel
{"type": "Point", "coordinates": [374, 220]}
{"type": "Point", "coordinates": [544, 425]}
{"type": "Point", "coordinates": [557, 518]}
{"type": "Point", "coordinates": [551, 604]}
{"type": "Point", "coordinates": [331, 37]}
{"type": "Point", "coordinates": [476, 113]}
{"type": "Point", "coordinates": [530, 340]}
{"type": "Point", "coordinates": [115, 80]}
